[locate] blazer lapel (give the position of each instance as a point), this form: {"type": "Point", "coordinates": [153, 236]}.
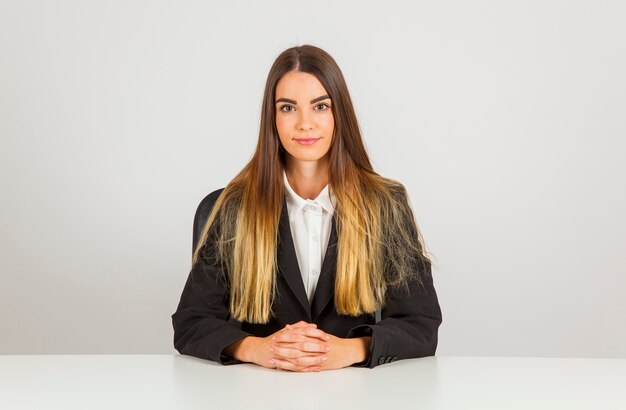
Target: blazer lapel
{"type": "Point", "coordinates": [288, 261]}
{"type": "Point", "coordinates": [326, 283]}
{"type": "Point", "coordinates": [290, 270]}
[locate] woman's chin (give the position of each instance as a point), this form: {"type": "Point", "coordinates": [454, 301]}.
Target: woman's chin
{"type": "Point", "coordinates": [307, 156]}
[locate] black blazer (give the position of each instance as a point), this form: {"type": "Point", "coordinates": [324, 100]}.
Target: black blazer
{"type": "Point", "coordinates": [203, 326]}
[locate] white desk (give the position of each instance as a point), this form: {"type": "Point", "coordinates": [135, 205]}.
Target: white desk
{"type": "Point", "coordinates": [182, 382]}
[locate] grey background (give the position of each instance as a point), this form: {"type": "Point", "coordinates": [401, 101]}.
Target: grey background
{"type": "Point", "coordinates": [505, 121]}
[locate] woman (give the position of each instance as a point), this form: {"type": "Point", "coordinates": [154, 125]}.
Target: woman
{"type": "Point", "coordinates": [303, 246]}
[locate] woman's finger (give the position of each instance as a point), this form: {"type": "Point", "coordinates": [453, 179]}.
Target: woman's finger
{"type": "Point", "coordinates": [301, 323]}
{"type": "Point", "coordinates": [309, 361]}
{"type": "Point", "coordinates": [296, 357]}
{"type": "Point", "coordinates": [282, 364]}
{"type": "Point", "coordinates": [292, 337]}
{"type": "Point", "coordinates": [295, 350]}
{"type": "Point", "coordinates": [307, 345]}
{"type": "Point", "coordinates": [294, 334]}
{"type": "Point", "coordinates": [286, 352]}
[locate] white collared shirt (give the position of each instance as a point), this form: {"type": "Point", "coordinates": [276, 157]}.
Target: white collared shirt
{"type": "Point", "coordinates": [310, 221]}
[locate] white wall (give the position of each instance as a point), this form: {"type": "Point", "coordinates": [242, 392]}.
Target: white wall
{"type": "Point", "coordinates": [505, 120]}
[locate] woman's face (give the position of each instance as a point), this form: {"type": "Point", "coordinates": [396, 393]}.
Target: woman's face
{"type": "Point", "coordinates": [304, 119]}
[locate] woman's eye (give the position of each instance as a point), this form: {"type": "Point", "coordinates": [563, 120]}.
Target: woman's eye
{"type": "Point", "coordinates": [287, 108]}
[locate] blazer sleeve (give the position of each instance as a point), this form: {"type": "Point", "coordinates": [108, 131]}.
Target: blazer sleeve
{"type": "Point", "coordinates": [409, 320]}
{"type": "Point", "coordinates": [408, 327]}
{"type": "Point", "coordinates": [202, 324]}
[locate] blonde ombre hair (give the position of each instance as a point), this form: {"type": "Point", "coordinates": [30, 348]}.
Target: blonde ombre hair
{"type": "Point", "coordinates": [379, 244]}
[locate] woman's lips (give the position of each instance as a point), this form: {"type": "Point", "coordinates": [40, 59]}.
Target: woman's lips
{"type": "Point", "coordinates": [307, 141]}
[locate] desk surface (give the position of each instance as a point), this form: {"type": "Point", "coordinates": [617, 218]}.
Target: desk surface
{"type": "Point", "coordinates": [184, 382]}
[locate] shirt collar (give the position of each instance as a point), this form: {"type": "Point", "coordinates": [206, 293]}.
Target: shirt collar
{"type": "Point", "coordinates": [295, 202]}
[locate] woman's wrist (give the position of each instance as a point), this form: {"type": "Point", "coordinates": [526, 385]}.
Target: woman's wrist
{"type": "Point", "coordinates": [360, 348]}
{"type": "Point", "coordinates": [241, 349]}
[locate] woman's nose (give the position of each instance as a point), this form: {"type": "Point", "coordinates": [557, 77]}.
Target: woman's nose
{"type": "Point", "coordinates": [305, 122]}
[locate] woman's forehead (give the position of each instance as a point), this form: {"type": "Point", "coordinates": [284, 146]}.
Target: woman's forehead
{"type": "Point", "coordinates": [300, 87]}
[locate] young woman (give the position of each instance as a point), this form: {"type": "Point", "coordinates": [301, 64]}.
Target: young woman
{"type": "Point", "coordinates": [307, 242]}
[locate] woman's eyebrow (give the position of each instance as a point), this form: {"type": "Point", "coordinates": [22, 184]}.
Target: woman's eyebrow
{"type": "Point", "coordinates": [314, 100]}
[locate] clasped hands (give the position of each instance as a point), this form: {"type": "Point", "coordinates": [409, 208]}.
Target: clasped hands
{"type": "Point", "coordinates": [302, 347]}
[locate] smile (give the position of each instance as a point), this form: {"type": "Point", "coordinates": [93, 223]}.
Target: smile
{"type": "Point", "coordinates": [307, 141]}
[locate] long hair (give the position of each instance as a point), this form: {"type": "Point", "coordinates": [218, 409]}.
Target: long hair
{"type": "Point", "coordinates": [379, 244]}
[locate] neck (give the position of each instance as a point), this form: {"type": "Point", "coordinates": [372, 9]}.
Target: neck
{"type": "Point", "coordinates": [307, 178]}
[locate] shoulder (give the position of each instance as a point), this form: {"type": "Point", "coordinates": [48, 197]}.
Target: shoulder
{"type": "Point", "coordinates": [394, 194]}
{"type": "Point", "coordinates": [202, 213]}
{"type": "Point", "coordinates": [208, 201]}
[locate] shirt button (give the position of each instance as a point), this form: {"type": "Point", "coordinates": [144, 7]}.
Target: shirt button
{"type": "Point", "coordinates": [314, 271]}
{"type": "Point", "coordinates": [314, 238]}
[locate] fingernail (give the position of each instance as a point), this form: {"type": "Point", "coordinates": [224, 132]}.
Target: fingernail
{"type": "Point", "coordinates": [271, 349]}
{"type": "Point", "coordinates": [324, 358]}
{"type": "Point", "coordinates": [327, 337]}
{"type": "Point", "coordinates": [327, 348]}
{"type": "Point", "coordinates": [272, 361]}
{"type": "Point", "coordinates": [273, 337]}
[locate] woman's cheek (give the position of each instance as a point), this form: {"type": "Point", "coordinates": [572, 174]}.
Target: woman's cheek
{"type": "Point", "coordinates": [282, 125]}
